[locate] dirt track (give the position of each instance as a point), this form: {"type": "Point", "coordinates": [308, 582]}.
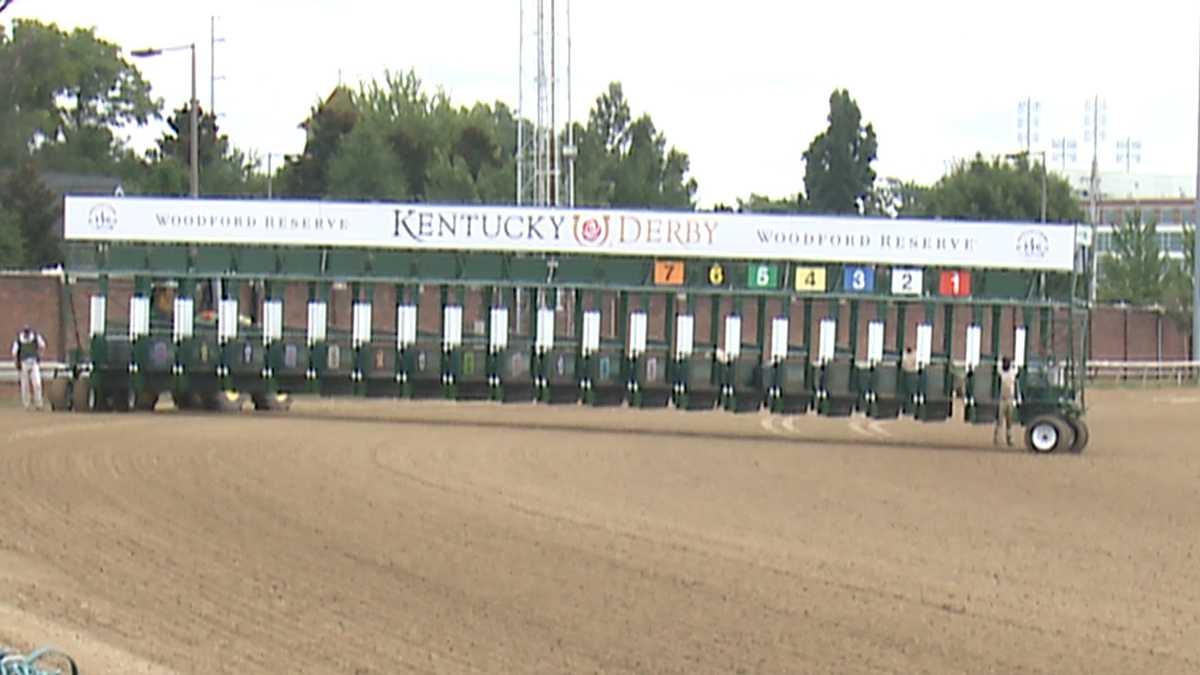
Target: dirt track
{"type": "Point", "coordinates": [365, 537]}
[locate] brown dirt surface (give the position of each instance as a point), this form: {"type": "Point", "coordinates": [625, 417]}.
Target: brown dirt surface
{"type": "Point", "coordinates": [383, 537]}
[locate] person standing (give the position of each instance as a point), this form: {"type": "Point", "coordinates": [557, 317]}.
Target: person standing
{"type": "Point", "coordinates": [1008, 401]}
{"type": "Point", "coordinates": [27, 352]}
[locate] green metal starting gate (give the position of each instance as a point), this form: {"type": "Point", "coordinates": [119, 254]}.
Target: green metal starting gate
{"type": "Point", "coordinates": [224, 302]}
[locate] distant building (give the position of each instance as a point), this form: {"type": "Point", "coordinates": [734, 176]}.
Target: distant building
{"type": "Point", "coordinates": [1167, 201]}
{"type": "Point", "coordinates": [86, 185]}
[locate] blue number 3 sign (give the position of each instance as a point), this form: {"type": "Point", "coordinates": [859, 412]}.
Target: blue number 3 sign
{"type": "Point", "coordinates": [859, 279]}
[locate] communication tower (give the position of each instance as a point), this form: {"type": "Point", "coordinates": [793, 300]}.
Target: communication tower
{"type": "Point", "coordinates": [546, 143]}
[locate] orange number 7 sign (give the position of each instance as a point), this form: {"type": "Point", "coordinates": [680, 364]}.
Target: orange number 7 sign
{"type": "Point", "coordinates": [668, 272]}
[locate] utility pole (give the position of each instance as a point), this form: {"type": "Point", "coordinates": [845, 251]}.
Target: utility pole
{"type": "Point", "coordinates": [1095, 132]}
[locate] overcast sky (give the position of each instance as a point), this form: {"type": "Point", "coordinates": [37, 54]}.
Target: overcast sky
{"type": "Point", "coordinates": [741, 87]}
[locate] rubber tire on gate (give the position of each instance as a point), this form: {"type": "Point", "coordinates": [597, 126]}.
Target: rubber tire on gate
{"type": "Point", "coordinates": [57, 395]}
{"type": "Point", "coordinates": [279, 401]}
{"type": "Point", "coordinates": [1048, 433]}
{"type": "Point", "coordinates": [1082, 436]}
{"type": "Point", "coordinates": [223, 401]}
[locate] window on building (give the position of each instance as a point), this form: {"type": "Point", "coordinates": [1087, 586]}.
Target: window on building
{"type": "Point", "coordinates": [1171, 242]}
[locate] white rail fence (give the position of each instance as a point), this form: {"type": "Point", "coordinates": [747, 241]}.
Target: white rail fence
{"type": "Point", "coordinates": [50, 370]}
{"type": "Point", "coordinates": [1161, 372]}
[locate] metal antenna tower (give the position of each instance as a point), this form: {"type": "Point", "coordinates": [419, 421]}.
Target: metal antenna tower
{"type": "Point", "coordinates": [212, 65]}
{"type": "Point", "coordinates": [541, 179]}
{"type": "Point", "coordinates": [1029, 114]}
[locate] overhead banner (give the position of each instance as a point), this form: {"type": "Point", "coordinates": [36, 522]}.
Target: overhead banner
{"type": "Point", "coordinates": [580, 231]}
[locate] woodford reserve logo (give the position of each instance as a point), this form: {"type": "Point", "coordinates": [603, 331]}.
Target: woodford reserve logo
{"type": "Point", "coordinates": [102, 217]}
{"type": "Point", "coordinates": [587, 229]}
{"type": "Point", "coordinates": [228, 220]}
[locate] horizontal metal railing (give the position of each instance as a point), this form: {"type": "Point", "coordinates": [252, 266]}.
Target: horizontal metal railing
{"type": "Point", "coordinates": [50, 370]}
{"type": "Point", "coordinates": [1179, 372]}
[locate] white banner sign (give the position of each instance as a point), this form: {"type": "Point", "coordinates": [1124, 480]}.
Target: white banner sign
{"type": "Point", "coordinates": [557, 230]}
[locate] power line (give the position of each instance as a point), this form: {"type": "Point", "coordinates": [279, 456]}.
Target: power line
{"type": "Point", "coordinates": [5, 3]}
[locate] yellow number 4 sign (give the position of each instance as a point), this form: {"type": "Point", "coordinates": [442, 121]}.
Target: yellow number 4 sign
{"type": "Point", "coordinates": [810, 279]}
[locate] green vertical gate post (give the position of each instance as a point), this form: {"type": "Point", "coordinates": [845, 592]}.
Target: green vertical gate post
{"type": "Point", "coordinates": [669, 333]}
{"type": "Point", "coordinates": [139, 348]}
{"type": "Point", "coordinates": [229, 291]}
{"type": "Point", "coordinates": [98, 347]}
{"type": "Point", "coordinates": [623, 335]}
{"type": "Point", "coordinates": [715, 335]}
{"type": "Point", "coordinates": [948, 348]}
{"type": "Point", "coordinates": [582, 363]}
{"type": "Point", "coordinates": [185, 345]}
{"type": "Point", "coordinates": [855, 384]}
{"type": "Point", "coordinates": [997, 320]}
{"type": "Point", "coordinates": [318, 291]}
{"type": "Point", "coordinates": [272, 351]}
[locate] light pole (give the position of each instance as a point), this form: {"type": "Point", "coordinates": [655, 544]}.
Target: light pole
{"type": "Point", "coordinates": [194, 138]}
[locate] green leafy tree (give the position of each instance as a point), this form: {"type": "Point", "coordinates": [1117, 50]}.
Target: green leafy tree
{"type": "Point", "coordinates": [12, 246]}
{"type": "Point", "coordinates": [307, 175]}
{"type": "Point", "coordinates": [998, 189]}
{"type": "Point", "coordinates": [225, 171]}
{"type": "Point", "coordinates": [365, 165]}
{"type": "Point", "coordinates": [35, 210]}
{"type": "Point", "coordinates": [626, 162]}
{"type": "Point", "coordinates": [757, 203]}
{"type": "Point", "coordinates": [63, 94]}
{"type": "Point", "coordinates": [895, 198]}
{"type": "Point", "coordinates": [838, 176]}
{"type": "Point", "coordinates": [1135, 271]}
{"type": "Point", "coordinates": [1179, 292]}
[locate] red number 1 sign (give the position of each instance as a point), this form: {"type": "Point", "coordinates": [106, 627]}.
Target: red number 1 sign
{"type": "Point", "coordinates": [955, 283]}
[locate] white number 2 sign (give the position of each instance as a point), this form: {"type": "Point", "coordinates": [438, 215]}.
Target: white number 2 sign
{"type": "Point", "coordinates": [907, 281]}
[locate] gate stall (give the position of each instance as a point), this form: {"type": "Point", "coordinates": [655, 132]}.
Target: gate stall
{"type": "Point", "coordinates": [224, 303]}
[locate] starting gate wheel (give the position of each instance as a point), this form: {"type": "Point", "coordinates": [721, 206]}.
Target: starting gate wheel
{"type": "Point", "coordinates": [1079, 425]}
{"type": "Point", "coordinates": [280, 400]}
{"type": "Point", "coordinates": [57, 395]}
{"type": "Point", "coordinates": [226, 400]}
{"type": "Point", "coordinates": [1048, 433]}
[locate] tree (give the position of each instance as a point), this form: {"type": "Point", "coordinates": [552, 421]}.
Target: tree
{"type": "Point", "coordinates": [35, 210]}
{"type": "Point", "coordinates": [980, 189]}
{"type": "Point", "coordinates": [66, 90]}
{"type": "Point", "coordinates": [224, 170]}
{"type": "Point", "coordinates": [895, 198]}
{"type": "Point", "coordinates": [757, 203]}
{"type": "Point", "coordinates": [626, 162]}
{"type": "Point", "coordinates": [12, 246]}
{"type": "Point", "coordinates": [307, 174]}
{"type": "Point", "coordinates": [838, 175]}
{"type": "Point", "coordinates": [1135, 271]}
{"type": "Point", "coordinates": [1180, 279]}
